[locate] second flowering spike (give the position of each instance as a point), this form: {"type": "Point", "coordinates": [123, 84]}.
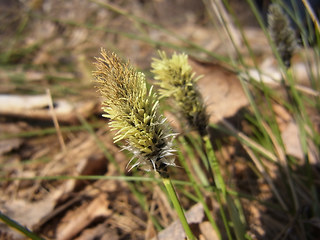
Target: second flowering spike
{"type": "Point", "coordinates": [176, 79]}
{"type": "Point", "coordinates": [281, 33]}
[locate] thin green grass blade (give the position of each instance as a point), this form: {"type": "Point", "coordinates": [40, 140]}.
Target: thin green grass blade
{"type": "Point", "coordinates": [197, 190]}
{"type": "Point", "coordinates": [238, 225]}
{"type": "Point", "coordinates": [15, 225]}
{"type": "Point", "coordinates": [177, 206]}
{"type": "Point", "coordinates": [215, 166]}
{"type": "Point", "coordinates": [221, 187]}
{"type": "Point", "coordinates": [196, 166]}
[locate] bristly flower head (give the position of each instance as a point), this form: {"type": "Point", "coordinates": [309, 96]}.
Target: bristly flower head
{"type": "Point", "coordinates": [133, 113]}
{"type": "Point", "coordinates": [177, 79]}
{"type": "Point", "coordinates": [281, 33]}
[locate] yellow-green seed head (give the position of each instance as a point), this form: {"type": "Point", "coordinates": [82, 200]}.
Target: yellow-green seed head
{"type": "Point", "coordinates": [281, 33]}
{"type": "Point", "coordinates": [133, 112]}
{"type": "Point", "coordinates": [175, 77]}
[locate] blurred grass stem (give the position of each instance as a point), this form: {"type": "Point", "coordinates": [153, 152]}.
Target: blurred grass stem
{"type": "Point", "coordinates": [177, 206]}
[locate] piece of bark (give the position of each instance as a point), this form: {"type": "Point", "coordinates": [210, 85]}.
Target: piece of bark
{"type": "Point", "coordinates": [7, 145]}
{"type": "Point", "coordinates": [37, 107]}
{"type": "Point", "coordinates": [75, 221]}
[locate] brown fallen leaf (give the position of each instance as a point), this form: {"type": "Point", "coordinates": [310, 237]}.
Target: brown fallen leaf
{"type": "Point", "coordinates": [99, 232]}
{"type": "Point", "coordinates": [292, 143]}
{"type": "Point", "coordinates": [26, 213]}
{"type": "Point", "coordinates": [75, 221]}
{"type": "Point", "coordinates": [8, 145]}
{"type": "Point", "coordinates": [221, 90]}
{"type": "Point", "coordinates": [207, 231]}
{"type": "Point", "coordinates": [291, 140]}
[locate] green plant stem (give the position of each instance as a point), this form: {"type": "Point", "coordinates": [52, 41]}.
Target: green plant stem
{"type": "Point", "coordinates": [312, 14]}
{"type": "Point", "coordinates": [219, 182]}
{"type": "Point", "coordinates": [173, 197]}
{"type": "Point", "coordinates": [18, 227]}
{"type": "Point", "coordinates": [223, 196]}
{"type": "Point", "coordinates": [214, 165]}
{"type": "Point", "coordinates": [199, 194]}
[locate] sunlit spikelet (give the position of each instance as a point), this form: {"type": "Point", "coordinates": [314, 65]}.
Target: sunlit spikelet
{"type": "Point", "coordinates": [175, 77]}
{"type": "Point", "coordinates": [281, 33]}
{"type": "Point", "coordinates": [133, 113]}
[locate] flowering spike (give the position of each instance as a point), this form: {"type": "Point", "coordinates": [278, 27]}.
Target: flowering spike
{"type": "Point", "coordinates": [177, 79]}
{"type": "Point", "coordinates": [281, 33]}
{"type": "Point", "coordinates": [133, 113]}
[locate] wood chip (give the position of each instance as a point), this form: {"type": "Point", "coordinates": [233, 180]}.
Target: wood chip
{"type": "Point", "coordinates": [37, 107]}
{"type": "Point", "coordinates": [75, 221]}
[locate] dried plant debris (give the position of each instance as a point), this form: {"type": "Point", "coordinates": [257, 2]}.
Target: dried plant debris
{"type": "Point", "coordinates": [37, 107]}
